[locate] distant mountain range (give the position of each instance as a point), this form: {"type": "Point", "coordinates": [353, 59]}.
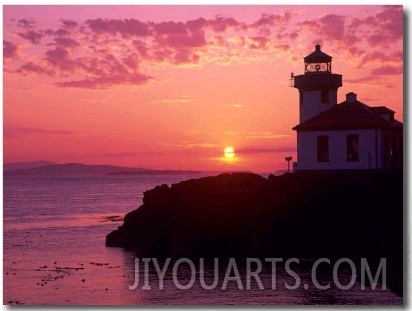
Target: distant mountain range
{"type": "Point", "coordinates": [25, 165]}
{"type": "Point", "coordinates": [152, 172]}
{"type": "Point", "coordinates": [45, 168]}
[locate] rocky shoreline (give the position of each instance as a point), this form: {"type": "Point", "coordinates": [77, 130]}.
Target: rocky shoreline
{"type": "Point", "coordinates": [304, 215]}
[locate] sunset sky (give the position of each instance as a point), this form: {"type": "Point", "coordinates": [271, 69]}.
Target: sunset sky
{"type": "Point", "coordinates": [170, 87]}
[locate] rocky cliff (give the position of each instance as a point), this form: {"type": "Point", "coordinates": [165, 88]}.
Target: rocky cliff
{"type": "Point", "coordinates": [305, 215]}
{"type": "Point", "coordinates": [308, 214]}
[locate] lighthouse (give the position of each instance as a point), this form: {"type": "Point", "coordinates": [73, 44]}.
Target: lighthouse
{"type": "Point", "coordinates": [346, 136]}
{"type": "Point", "coordinates": [318, 86]}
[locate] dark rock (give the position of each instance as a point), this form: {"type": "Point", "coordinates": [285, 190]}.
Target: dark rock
{"type": "Point", "coordinates": [303, 215]}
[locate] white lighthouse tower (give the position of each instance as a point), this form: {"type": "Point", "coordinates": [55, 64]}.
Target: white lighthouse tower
{"type": "Point", "coordinates": [318, 86]}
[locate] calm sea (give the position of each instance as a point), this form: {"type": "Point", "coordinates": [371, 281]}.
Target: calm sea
{"type": "Point", "coordinates": [55, 254]}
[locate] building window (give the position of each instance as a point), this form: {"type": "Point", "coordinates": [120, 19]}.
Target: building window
{"type": "Point", "coordinates": [352, 147]}
{"type": "Point", "coordinates": [325, 96]}
{"type": "Point", "coordinates": [323, 148]}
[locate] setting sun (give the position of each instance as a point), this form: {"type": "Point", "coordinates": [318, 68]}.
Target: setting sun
{"type": "Point", "coordinates": [229, 152]}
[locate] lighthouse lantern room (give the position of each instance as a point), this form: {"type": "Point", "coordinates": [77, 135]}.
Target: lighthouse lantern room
{"type": "Point", "coordinates": [318, 87]}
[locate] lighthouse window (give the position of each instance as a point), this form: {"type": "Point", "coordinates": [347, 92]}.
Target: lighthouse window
{"type": "Point", "coordinates": [325, 96]}
{"type": "Point", "coordinates": [352, 147]}
{"type": "Point", "coordinates": [323, 148]}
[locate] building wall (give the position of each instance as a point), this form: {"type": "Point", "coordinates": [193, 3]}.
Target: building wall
{"type": "Point", "coordinates": [392, 149]}
{"type": "Point", "coordinates": [311, 103]}
{"type": "Point", "coordinates": [370, 141]}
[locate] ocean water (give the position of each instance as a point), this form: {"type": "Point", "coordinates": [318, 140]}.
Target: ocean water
{"type": "Point", "coordinates": [54, 253]}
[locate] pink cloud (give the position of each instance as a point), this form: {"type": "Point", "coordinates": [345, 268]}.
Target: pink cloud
{"type": "Point", "coordinates": [131, 61]}
{"type": "Point", "coordinates": [357, 22]}
{"type": "Point", "coordinates": [184, 56]}
{"type": "Point", "coordinates": [103, 69]}
{"type": "Point", "coordinates": [260, 42]}
{"type": "Point", "coordinates": [97, 49]}
{"type": "Point", "coordinates": [141, 48]}
{"type": "Point", "coordinates": [170, 28]}
{"type": "Point", "coordinates": [333, 26]}
{"type": "Point", "coordinates": [31, 35]}
{"type": "Point", "coordinates": [187, 40]}
{"type": "Point", "coordinates": [9, 49]}
{"type": "Point", "coordinates": [33, 68]}
{"type": "Point", "coordinates": [175, 42]}
{"type": "Point", "coordinates": [381, 57]}
{"type": "Point", "coordinates": [107, 81]}
{"type": "Point", "coordinates": [60, 58]}
{"type": "Point", "coordinates": [196, 24]}
{"type": "Point", "coordinates": [266, 20]}
{"type": "Point", "coordinates": [100, 65]}
{"type": "Point", "coordinates": [161, 55]}
{"type": "Point", "coordinates": [67, 23]}
{"type": "Point", "coordinates": [381, 29]}
{"type": "Point", "coordinates": [126, 27]}
{"type": "Point", "coordinates": [221, 23]}
{"type": "Point", "coordinates": [310, 24]}
{"type": "Point", "coordinates": [330, 27]}
{"type": "Point", "coordinates": [269, 20]}
{"type": "Point", "coordinates": [349, 33]}
{"type": "Point", "coordinates": [26, 23]}
{"type": "Point", "coordinates": [356, 51]}
{"type": "Point", "coordinates": [66, 43]}
{"type": "Point", "coordinates": [293, 35]}
{"type": "Point", "coordinates": [61, 33]}
{"type": "Point", "coordinates": [219, 41]}
{"type": "Point", "coordinates": [391, 18]}
{"type": "Point", "coordinates": [387, 70]}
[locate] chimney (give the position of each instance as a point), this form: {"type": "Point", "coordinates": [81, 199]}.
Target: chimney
{"type": "Point", "coordinates": [351, 97]}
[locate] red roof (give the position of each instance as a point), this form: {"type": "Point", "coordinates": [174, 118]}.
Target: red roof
{"type": "Point", "coordinates": [348, 115]}
{"type": "Point", "coordinates": [382, 110]}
